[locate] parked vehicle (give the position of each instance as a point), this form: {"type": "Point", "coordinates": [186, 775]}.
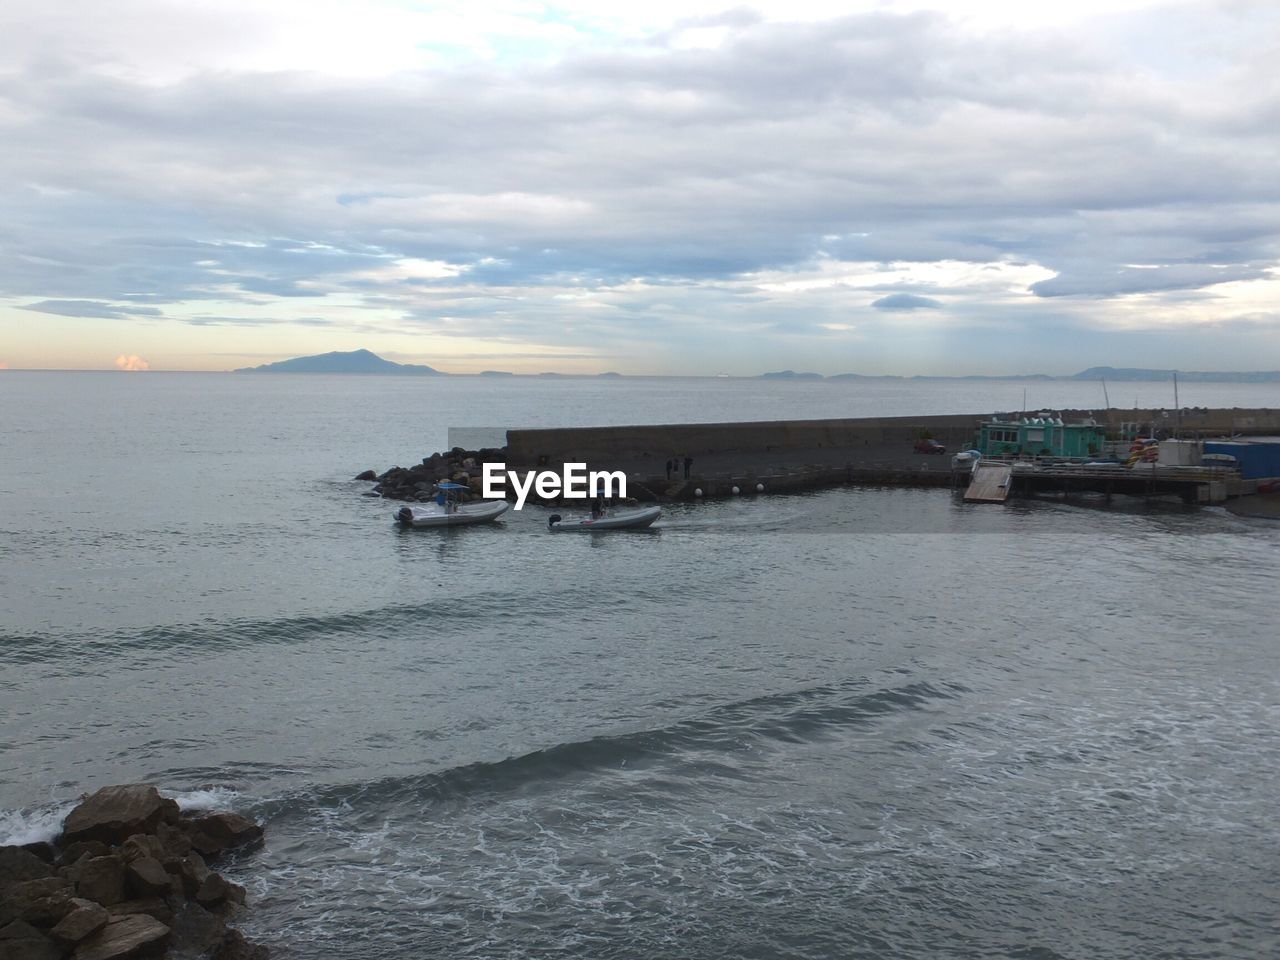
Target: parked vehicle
{"type": "Point", "coordinates": [930, 446]}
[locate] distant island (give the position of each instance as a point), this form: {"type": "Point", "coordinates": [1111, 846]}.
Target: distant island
{"type": "Point", "coordinates": [791, 375]}
{"type": "Point", "coordinates": [353, 361]}
{"type": "Point", "coordinates": [1186, 376]}
{"type": "Point", "coordinates": [365, 361]}
{"type": "Point", "coordinates": [1119, 374]}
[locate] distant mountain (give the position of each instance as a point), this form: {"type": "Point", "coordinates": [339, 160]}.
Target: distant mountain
{"type": "Point", "coordinates": [496, 373]}
{"type": "Point", "coordinates": [1186, 376]}
{"type": "Point", "coordinates": [610, 375]}
{"type": "Point", "coordinates": [981, 376]}
{"type": "Point", "coordinates": [790, 375]}
{"type": "Point", "coordinates": [354, 361]}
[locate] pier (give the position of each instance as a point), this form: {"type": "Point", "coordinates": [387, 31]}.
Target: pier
{"type": "Point", "coordinates": [1190, 484]}
{"type": "Point", "coordinates": [730, 459]}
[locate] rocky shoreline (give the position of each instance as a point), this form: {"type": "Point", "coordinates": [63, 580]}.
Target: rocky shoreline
{"type": "Point", "coordinates": [129, 876]}
{"type": "Point", "coordinates": [418, 483]}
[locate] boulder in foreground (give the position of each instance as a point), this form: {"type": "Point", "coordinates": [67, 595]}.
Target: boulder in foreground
{"type": "Point", "coordinates": [114, 814]}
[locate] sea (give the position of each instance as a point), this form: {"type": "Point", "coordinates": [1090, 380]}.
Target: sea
{"type": "Point", "coordinates": [852, 723]}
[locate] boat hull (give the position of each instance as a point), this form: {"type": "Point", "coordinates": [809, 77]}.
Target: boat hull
{"type": "Point", "coordinates": [622, 520]}
{"type": "Point", "coordinates": [427, 516]}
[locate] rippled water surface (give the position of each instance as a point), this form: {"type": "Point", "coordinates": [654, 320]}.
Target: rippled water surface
{"type": "Point", "coordinates": [863, 723]}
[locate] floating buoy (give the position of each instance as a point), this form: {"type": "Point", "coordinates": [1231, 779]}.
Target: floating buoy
{"type": "Point", "coordinates": [736, 491]}
{"type": "Point", "coordinates": [759, 488]}
{"type": "Point", "coordinates": [697, 492]}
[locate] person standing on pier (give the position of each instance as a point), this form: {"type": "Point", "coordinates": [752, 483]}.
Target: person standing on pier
{"type": "Point", "coordinates": [688, 462]}
{"type": "Point", "coordinates": [669, 465]}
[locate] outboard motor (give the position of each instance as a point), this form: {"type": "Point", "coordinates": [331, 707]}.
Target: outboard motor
{"type": "Point", "coordinates": [552, 521]}
{"type": "Point", "coordinates": [405, 516]}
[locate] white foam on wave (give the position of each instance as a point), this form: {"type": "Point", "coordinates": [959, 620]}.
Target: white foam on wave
{"type": "Point", "coordinates": [36, 825]}
{"type": "Point", "coordinates": [208, 798]}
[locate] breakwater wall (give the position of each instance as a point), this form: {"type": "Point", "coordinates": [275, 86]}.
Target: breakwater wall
{"type": "Point", "coordinates": [622, 443]}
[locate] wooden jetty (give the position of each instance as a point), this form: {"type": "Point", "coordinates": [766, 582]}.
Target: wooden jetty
{"type": "Point", "coordinates": [989, 482]}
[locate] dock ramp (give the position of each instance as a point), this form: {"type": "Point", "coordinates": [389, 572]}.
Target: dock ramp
{"type": "Point", "coordinates": [989, 482]}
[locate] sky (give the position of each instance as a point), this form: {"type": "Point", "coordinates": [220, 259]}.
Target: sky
{"type": "Point", "coordinates": [683, 188]}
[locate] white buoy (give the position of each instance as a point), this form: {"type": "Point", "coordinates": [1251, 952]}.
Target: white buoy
{"type": "Point", "coordinates": [697, 492]}
{"type": "Point", "coordinates": [736, 491]}
{"type": "Point", "coordinates": [759, 488]}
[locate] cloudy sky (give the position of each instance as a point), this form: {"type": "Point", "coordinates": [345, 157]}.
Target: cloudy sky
{"type": "Point", "coordinates": [664, 187]}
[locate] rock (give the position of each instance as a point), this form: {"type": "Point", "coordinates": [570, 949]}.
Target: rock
{"type": "Point", "coordinates": [215, 890]}
{"type": "Point", "coordinates": [216, 833]}
{"type": "Point", "coordinates": [97, 878]}
{"type": "Point", "coordinates": [17, 864]}
{"type": "Point", "coordinates": [42, 849]}
{"type": "Point", "coordinates": [124, 937]}
{"type": "Point", "coordinates": [147, 877]}
{"type": "Point", "coordinates": [18, 930]}
{"type": "Point", "coordinates": [21, 941]}
{"type": "Point", "coordinates": [193, 871]}
{"type": "Point", "coordinates": [84, 920]}
{"type": "Point", "coordinates": [42, 902]}
{"type": "Point", "coordinates": [175, 841]}
{"type": "Point", "coordinates": [235, 947]}
{"type": "Point", "coordinates": [195, 931]}
{"type": "Point", "coordinates": [74, 851]}
{"type": "Point", "coordinates": [141, 846]}
{"type": "Point", "coordinates": [367, 475]}
{"type": "Point", "coordinates": [116, 813]}
{"type": "Point", "coordinates": [151, 906]}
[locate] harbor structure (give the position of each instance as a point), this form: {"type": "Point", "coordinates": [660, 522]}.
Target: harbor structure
{"type": "Point", "coordinates": [1042, 435]}
{"type": "Point", "coordinates": [736, 458]}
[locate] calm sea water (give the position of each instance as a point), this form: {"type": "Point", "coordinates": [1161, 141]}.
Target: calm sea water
{"type": "Point", "coordinates": [772, 727]}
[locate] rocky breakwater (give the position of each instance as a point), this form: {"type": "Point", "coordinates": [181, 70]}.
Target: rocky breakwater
{"type": "Point", "coordinates": [418, 483]}
{"type": "Point", "coordinates": [129, 876]}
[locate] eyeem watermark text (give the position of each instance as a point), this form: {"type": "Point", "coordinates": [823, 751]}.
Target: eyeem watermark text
{"type": "Point", "coordinates": [575, 483]}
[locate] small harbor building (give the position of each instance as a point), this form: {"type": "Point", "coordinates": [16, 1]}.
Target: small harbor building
{"type": "Point", "coordinates": [1042, 435]}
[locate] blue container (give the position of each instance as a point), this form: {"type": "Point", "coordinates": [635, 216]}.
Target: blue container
{"type": "Point", "coordinates": [1256, 460]}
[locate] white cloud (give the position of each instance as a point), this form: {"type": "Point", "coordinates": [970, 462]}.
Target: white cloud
{"type": "Point", "coordinates": [131, 363]}
{"type": "Point", "coordinates": [659, 175]}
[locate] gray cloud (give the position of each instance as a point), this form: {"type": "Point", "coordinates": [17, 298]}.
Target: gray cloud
{"type": "Point", "coordinates": [90, 308]}
{"type": "Point", "coordinates": [1103, 280]}
{"type": "Point", "coordinates": [905, 301]}
{"type": "Point", "coordinates": [870, 138]}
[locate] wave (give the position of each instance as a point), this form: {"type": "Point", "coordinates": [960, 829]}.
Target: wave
{"type": "Point", "coordinates": [708, 741]}
{"type": "Point", "coordinates": [234, 634]}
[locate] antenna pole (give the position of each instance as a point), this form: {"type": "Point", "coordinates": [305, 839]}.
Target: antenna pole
{"type": "Point", "coordinates": [1177, 410]}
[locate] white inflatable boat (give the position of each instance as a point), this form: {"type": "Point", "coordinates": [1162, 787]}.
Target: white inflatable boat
{"type": "Point", "coordinates": [631, 519]}
{"type": "Point", "coordinates": [447, 511]}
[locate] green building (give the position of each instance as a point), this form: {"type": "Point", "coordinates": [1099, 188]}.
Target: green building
{"type": "Point", "coordinates": [1041, 436]}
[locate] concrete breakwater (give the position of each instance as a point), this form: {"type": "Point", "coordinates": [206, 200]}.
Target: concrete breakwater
{"type": "Point", "coordinates": [655, 442]}
{"type": "Point", "coordinates": [128, 876]}
{"type": "Point", "coordinates": [778, 456]}
{"type": "Point", "coordinates": [746, 473]}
